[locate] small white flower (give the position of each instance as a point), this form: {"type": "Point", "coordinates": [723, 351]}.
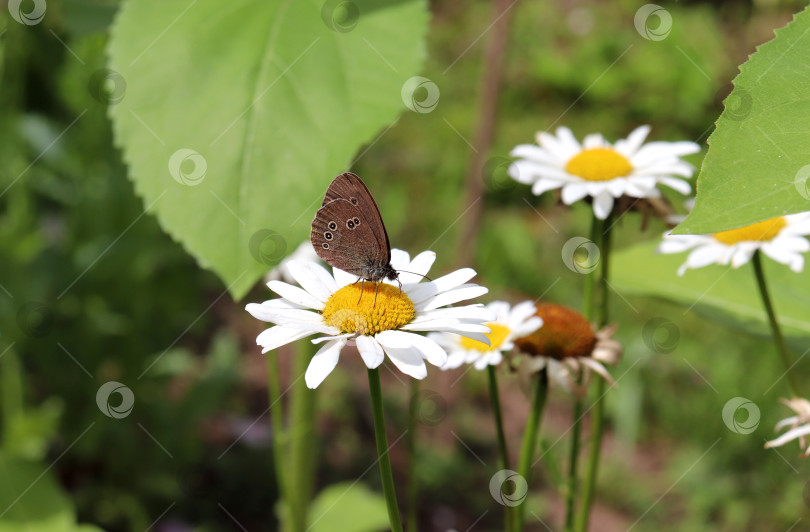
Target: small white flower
{"type": "Point", "coordinates": [780, 238]}
{"type": "Point", "coordinates": [303, 253]}
{"type": "Point", "coordinates": [799, 425]}
{"type": "Point", "coordinates": [603, 171]}
{"type": "Point", "coordinates": [379, 318]}
{"type": "Point", "coordinates": [509, 323]}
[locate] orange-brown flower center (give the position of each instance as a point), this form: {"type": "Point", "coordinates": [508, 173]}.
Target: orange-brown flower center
{"type": "Point", "coordinates": [565, 333]}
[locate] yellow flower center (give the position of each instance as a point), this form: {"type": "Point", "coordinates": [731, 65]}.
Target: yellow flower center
{"type": "Point", "coordinates": [496, 338]}
{"type": "Point", "coordinates": [368, 308]}
{"type": "Point", "coordinates": [760, 231]}
{"type": "Point", "coordinates": [599, 164]}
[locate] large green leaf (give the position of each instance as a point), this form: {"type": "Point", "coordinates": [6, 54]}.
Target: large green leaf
{"type": "Point", "coordinates": [349, 507]}
{"type": "Point", "coordinates": [233, 117]}
{"type": "Point", "coordinates": [755, 168]}
{"type": "Point", "coordinates": [30, 499]}
{"type": "Point", "coordinates": [718, 292]}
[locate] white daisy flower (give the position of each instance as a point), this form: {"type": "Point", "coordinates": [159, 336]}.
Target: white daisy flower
{"type": "Point", "coordinates": [799, 425]}
{"type": "Point", "coordinates": [380, 319]}
{"type": "Point", "coordinates": [509, 323]}
{"type": "Point", "coordinates": [780, 238]}
{"type": "Point", "coordinates": [568, 348]}
{"type": "Point", "coordinates": [303, 253]}
{"type": "Point", "coordinates": [603, 171]}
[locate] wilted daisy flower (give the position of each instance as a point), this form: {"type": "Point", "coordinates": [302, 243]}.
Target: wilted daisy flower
{"type": "Point", "coordinates": [567, 346]}
{"type": "Point", "coordinates": [380, 319]}
{"type": "Point", "coordinates": [509, 323]}
{"type": "Point", "coordinates": [779, 238]}
{"type": "Point", "coordinates": [799, 425]}
{"type": "Point", "coordinates": [603, 171]}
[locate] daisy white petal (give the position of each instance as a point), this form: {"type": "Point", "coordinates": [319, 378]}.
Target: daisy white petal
{"type": "Point", "coordinates": [370, 350]}
{"type": "Point", "coordinates": [323, 363]}
{"type": "Point", "coordinates": [295, 294]}
{"type": "Point", "coordinates": [275, 337]}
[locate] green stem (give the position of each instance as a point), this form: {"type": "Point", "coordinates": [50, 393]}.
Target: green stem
{"type": "Point", "coordinates": [781, 345]}
{"type": "Point", "coordinates": [598, 414]}
{"type": "Point", "coordinates": [413, 487]}
{"type": "Point", "coordinates": [279, 442]}
{"type": "Point", "coordinates": [382, 451]}
{"type": "Point", "coordinates": [503, 453]}
{"type": "Point", "coordinates": [573, 457]}
{"type": "Point", "coordinates": [530, 440]}
{"type": "Point", "coordinates": [302, 449]}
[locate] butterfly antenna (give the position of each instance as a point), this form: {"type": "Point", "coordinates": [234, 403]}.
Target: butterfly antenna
{"type": "Point", "coordinates": [419, 274]}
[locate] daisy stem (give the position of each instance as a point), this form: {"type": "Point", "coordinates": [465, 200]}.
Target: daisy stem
{"type": "Point", "coordinates": [781, 345]}
{"type": "Point", "coordinates": [573, 457]}
{"type": "Point", "coordinates": [598, 414]}
{"type": "Point", "coordinates": [413, 487]}
{"type": "Point", "coordinates": [503, 453]}
{"type": "Point", "coordinates": [279, 442]}
{"type": "Point", "coordinates": [382, 451]}
{"type": "Point", "coordinates": [301, 452]}
{"type": "Point", "coordinates": [530, 440]}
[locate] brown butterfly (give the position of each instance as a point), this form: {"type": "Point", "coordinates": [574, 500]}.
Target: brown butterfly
{"type": "Point", "coordinates": [348, 231]}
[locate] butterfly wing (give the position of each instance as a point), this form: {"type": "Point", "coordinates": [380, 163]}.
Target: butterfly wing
{"type": "Point", "coordinates": [350, 187]}
{"type": "Point", "coordinates": [343, 237]}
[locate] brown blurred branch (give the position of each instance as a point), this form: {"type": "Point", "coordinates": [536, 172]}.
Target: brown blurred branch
{"type": "Point", "coordinates": [491, 77]}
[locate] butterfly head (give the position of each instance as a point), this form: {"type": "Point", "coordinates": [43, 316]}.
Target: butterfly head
{"type": "Point", "coordinates": [378, 273]}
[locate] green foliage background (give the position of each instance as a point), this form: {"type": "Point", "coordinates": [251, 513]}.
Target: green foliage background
{"type": "Point", "coordinates": [117, 294]}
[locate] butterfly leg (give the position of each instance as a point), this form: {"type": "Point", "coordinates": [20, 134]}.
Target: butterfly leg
{"type": "Point", "coordinates": [362, 289]}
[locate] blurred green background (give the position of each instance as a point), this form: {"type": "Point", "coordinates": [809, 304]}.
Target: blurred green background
{"type": "Point", "coordinates": [91, 291]}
